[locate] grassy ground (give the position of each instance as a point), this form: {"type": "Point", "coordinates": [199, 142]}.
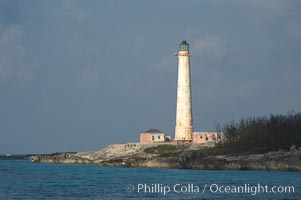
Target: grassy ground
{"type": "Point", "coordinates": [212, 151]}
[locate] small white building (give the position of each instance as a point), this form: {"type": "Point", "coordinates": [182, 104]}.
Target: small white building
{"type": "Point", "coordinates": [154, 135]}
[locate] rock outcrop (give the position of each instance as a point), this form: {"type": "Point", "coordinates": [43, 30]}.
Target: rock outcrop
{"type": "Point", "coordinates": [176, 155]}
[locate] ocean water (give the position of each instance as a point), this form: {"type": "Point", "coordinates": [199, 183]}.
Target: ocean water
{"type": "Point", "coordinates": [26, 181]}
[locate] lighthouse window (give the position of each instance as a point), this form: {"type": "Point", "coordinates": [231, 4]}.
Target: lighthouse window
{"type": "Point", "coordinates": [159, 137]}
{"type": "Point", "coordinates": [153, 138]}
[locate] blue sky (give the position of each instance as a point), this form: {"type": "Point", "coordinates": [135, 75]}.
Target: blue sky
{"type": "Point", "coordinates": [79, 75]}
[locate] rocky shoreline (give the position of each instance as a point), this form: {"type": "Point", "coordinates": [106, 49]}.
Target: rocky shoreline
{"type": "Point", "coordinates": [176, 155]}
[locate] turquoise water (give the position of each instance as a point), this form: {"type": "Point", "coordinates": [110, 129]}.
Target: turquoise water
{"type": "Point", "coordinates": [25, 180]}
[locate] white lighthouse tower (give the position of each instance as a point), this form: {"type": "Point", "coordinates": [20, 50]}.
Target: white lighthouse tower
{"type": "Point", "coordinates": [184, 129]}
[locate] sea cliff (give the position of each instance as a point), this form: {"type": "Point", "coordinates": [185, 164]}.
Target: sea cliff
{"type": "Point", "coordinates": [177, 155]}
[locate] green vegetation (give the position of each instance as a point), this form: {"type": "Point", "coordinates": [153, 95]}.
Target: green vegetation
{"type": "Point", "coordinates": [164, 149]}
{"type": "Point", "coordinates": [213, 151]}
{"type": "Point", "coordinates": [262, 134]}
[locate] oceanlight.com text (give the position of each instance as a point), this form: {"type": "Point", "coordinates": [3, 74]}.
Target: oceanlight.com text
{"type": "Point", "coordinates": [190, 188]}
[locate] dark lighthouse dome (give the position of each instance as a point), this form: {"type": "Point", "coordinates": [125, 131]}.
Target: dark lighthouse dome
{"type": "Point", "coordinates": [184, 46]}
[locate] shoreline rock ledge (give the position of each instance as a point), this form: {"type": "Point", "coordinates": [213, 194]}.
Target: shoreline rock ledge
{"type": "Point", "coordinates": [176, 155]}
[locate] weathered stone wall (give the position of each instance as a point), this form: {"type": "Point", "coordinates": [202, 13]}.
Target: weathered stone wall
{"type": "Point", "coordinates": [207, 137]}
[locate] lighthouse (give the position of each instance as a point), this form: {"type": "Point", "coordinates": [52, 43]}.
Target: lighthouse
{"type": "Point", "coordinates": [184, 129]}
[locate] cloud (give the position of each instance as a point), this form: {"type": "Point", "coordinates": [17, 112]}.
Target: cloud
{"type": "Point", "coordinates": [70, 11]}
{"type": "Point", "coordinates": [209, 46]}
{"type": "Point", "coordinates": [192, 32]}
{"type": "Point", "coordinates": [166, 63]}
{"type": "Point", "coordinates": [268, 10]}
{"type": "Point", "coordinates": [294, 30]}
{"type": "Point", "coordinates": [13, 64]}
{"type": "Point", "coordinates": [138, 44]}
{"type": "Point", "coordinates": [89, 76]}
{"type": "Point", "coordinates": [274, 6]}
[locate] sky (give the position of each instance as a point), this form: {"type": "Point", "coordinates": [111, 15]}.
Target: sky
{"type": "Point", "coordinates": [80, 75]}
